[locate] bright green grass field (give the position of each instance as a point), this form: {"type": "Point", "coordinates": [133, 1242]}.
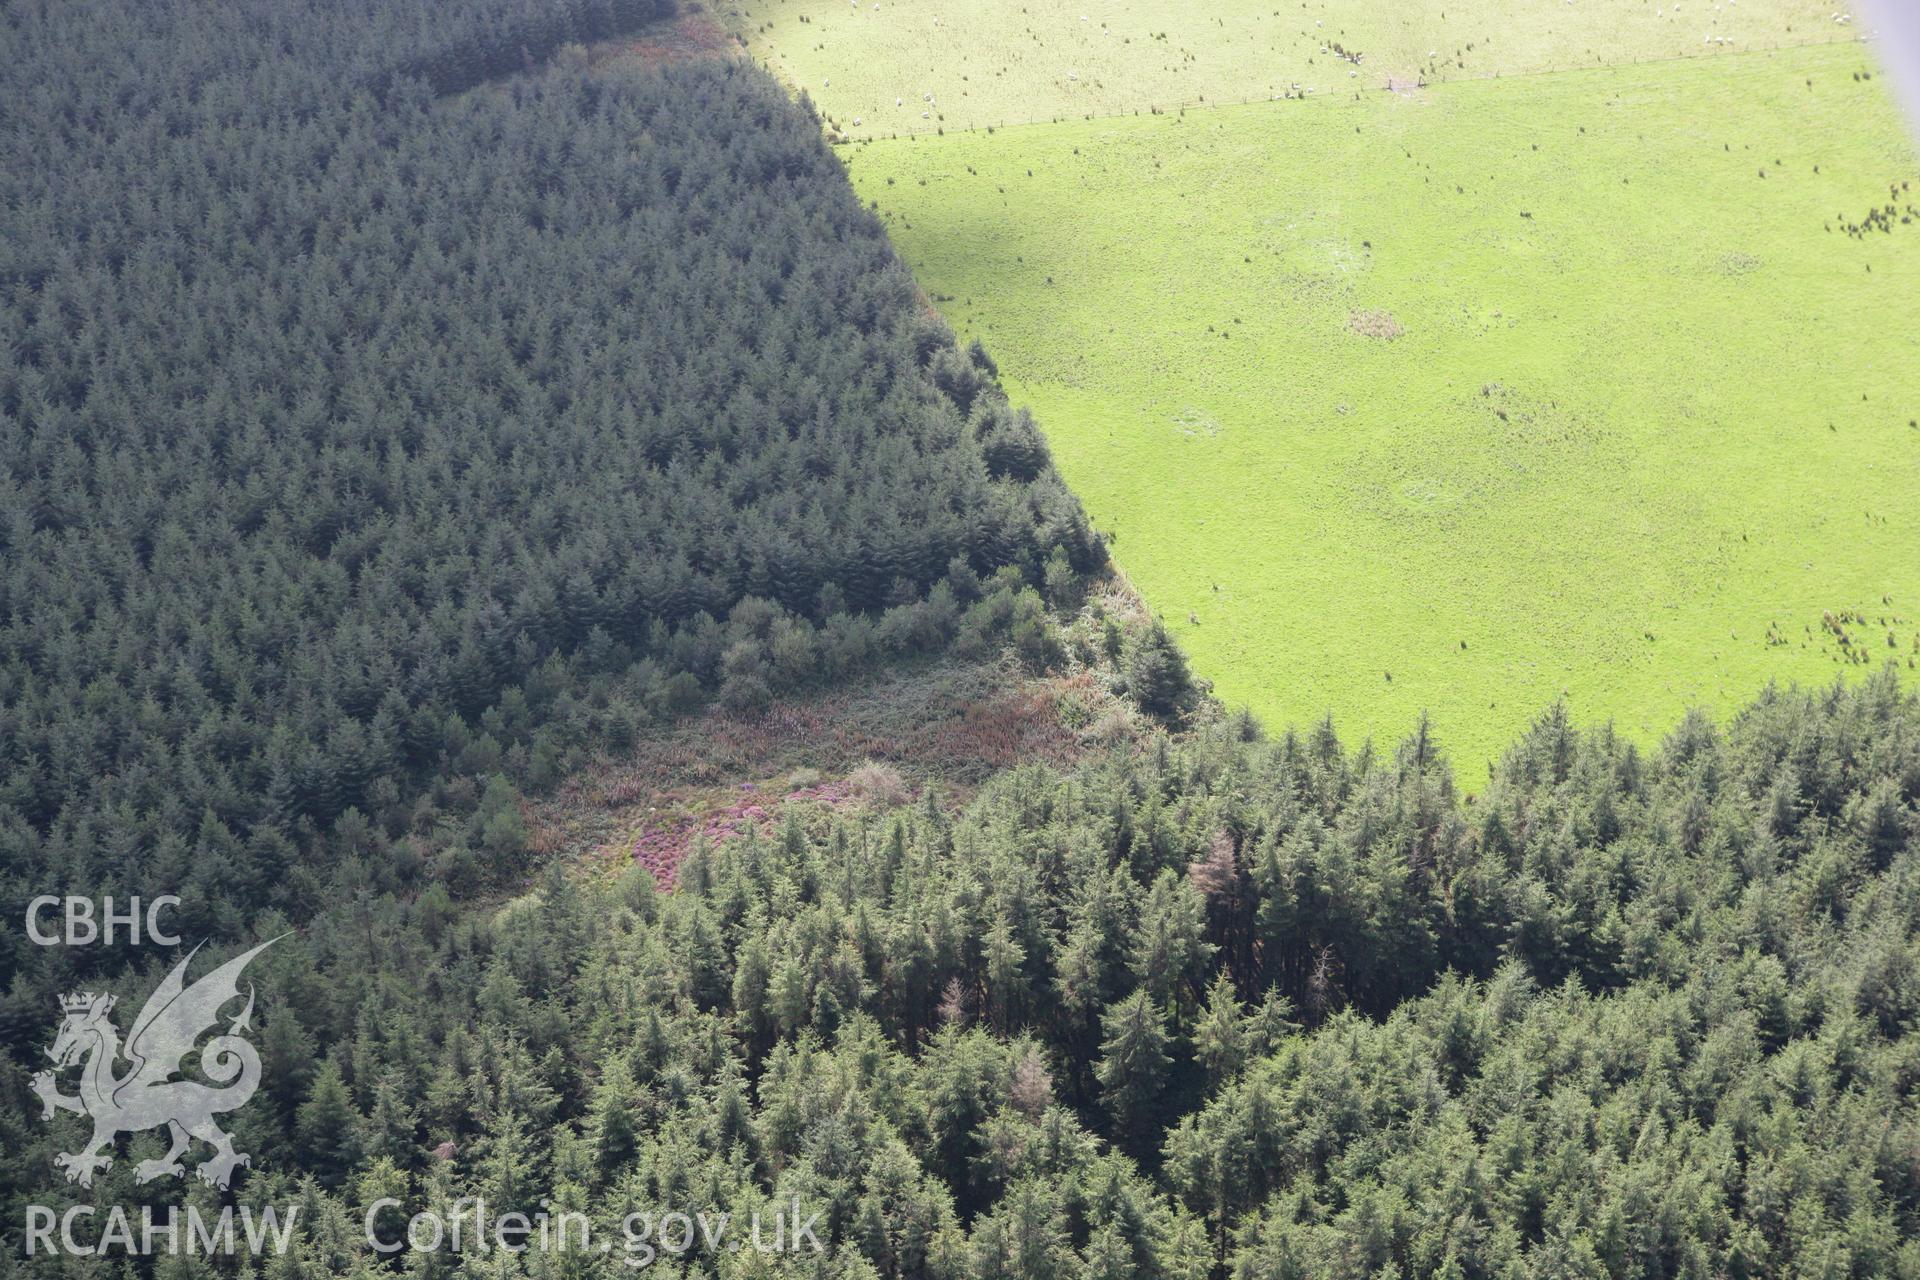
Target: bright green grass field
{"type": "Point", "coordinates": [1650, 413]}
{"type": "Point", "coordinates": [872, 67]}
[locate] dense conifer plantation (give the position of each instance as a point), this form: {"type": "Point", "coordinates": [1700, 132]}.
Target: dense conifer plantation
{"type": "Point", "coordinates": [350, 441]}
{"type": "Point", "coordinates": [380, 438]}
{"type": "Point", "coordinates": [1198, 1008]}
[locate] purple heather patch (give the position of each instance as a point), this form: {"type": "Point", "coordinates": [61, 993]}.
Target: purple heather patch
{"type": "Point", "coordinates": [662, 848]}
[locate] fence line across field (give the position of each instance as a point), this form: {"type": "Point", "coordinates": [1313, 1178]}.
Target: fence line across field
{"type": "Point", "coordinates": [1187, 104]}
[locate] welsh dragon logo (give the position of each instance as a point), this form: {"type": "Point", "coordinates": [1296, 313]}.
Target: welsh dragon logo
{"type": "Point", "coordinates": [147, 1096]}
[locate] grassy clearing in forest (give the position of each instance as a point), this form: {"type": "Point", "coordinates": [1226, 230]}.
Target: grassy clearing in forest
{"type": "Point", "coordinates": [949, 724]}
{"type": "Point", "coordinates": [904, 66]}
{"type": "Point", "coordinates": [1469, 398]}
